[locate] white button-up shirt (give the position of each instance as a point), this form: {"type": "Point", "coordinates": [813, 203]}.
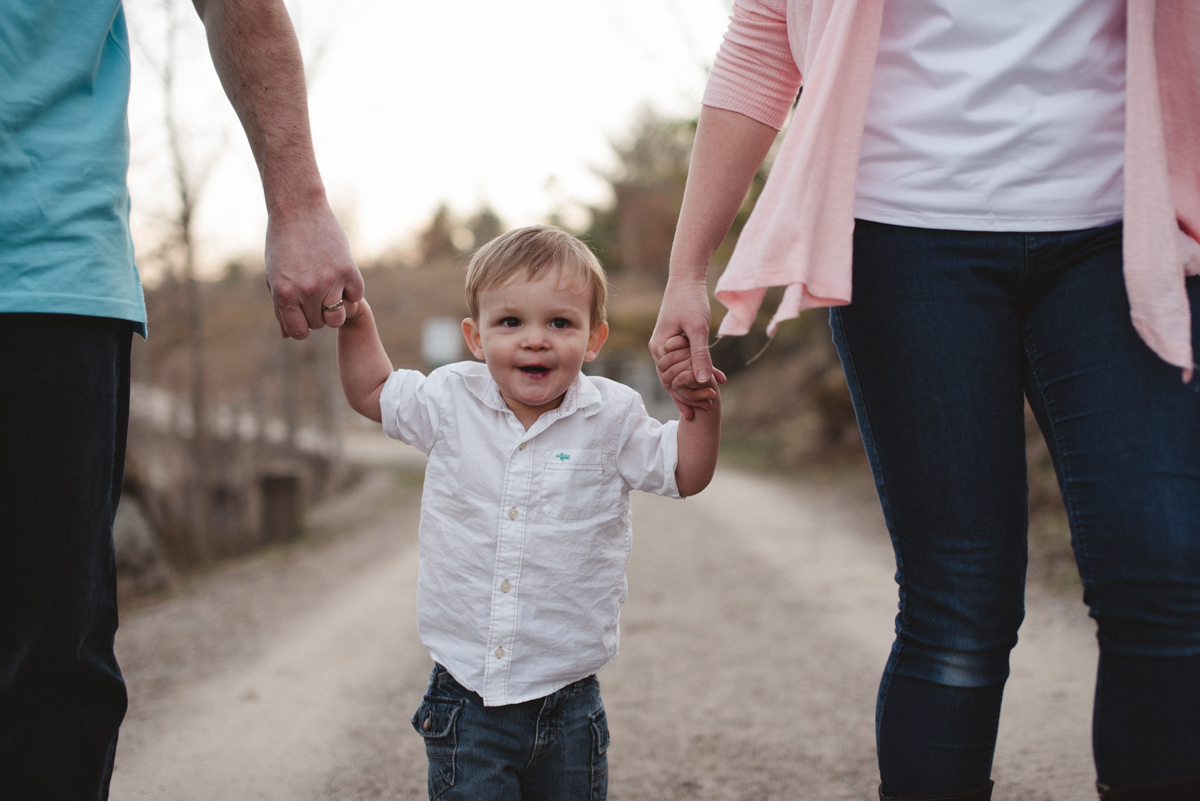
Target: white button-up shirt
{"type": "Point", "coordinates": [525, 534]}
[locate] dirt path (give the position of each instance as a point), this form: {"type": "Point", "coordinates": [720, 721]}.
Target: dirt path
{"type": "Point", "coordinates": [758, 619]}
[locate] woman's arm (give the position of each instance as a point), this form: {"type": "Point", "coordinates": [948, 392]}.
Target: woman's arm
{"type": "Point", "coordinates": [728, 151]}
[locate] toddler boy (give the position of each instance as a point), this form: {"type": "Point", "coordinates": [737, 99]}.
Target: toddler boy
{"type": "Point", "coordinates": [525, 519]}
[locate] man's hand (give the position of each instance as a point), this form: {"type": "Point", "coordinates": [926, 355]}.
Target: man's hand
{"type": "Point", "coordinates": [684, 312]}
{"type": "Point", "coordinates": [257, 57]}
{"type": "Point", "coordinates": [309, 266]}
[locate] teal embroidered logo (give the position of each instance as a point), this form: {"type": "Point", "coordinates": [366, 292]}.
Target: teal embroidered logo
{"type": "Point", "coordinates": [562, 457]}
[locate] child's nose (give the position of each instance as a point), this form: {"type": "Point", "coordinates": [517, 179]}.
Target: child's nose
{"type": "Point", "coordinates": [536, 340]}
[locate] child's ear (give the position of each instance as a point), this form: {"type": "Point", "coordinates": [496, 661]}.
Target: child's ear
{"type": "Point", "coordinates": [596, 340]}
{"type": "Point", "coordinates": [470, 330]}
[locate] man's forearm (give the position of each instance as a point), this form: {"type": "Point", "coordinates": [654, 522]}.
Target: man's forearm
{"type": "Point", "coordinates": [257, 57]}
{"type": "Point", "coordinates": [308, 260]}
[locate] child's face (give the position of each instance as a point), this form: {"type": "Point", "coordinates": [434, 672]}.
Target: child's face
{"type": "Point", "coordinates": [535, 336]}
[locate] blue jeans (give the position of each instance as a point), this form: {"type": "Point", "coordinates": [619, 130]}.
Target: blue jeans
{"type": "Point", "coordinates": [64, 407]}
{"type": "Point", "coordinates": [548, 749]}
{"type": "Point", "coordinates": [946, 333]}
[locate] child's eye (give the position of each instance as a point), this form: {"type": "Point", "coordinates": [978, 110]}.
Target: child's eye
{"type": "Point", "coordinates": [560, 322]}
{"type": "Point", "coordinates": [510, 322]}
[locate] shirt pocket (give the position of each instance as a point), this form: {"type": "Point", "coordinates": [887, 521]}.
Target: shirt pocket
{"type": "Point", "coordinates": [573, 483]}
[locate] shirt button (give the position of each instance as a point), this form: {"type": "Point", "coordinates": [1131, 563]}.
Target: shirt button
{"type": "Point", "coordinates": [521, 447]}
{"type": "Point", "coordinates": [512, 513]}
{"type": "Point", "coordinates": [499, 653]}
{"type": "Point", "coordinates": [428, 722]}
{"type": "Point", "coordinates": [505, 586]}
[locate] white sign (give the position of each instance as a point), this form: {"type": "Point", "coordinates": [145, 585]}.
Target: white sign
{"type": "Point", "coordinates": [441, 341]}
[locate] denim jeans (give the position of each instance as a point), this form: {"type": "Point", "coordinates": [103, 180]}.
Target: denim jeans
{"type": "Point", "coordinates": [945, 334]}
{"type": "Point", "coordinates": [64, 407]}
{"type": "Point", "coordinates": [548, 749]}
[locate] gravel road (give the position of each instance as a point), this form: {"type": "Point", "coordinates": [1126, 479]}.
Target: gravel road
{"type": "Point", "coordinates": [759, 617]}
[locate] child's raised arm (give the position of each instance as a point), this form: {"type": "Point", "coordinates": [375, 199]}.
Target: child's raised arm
{"type": "Point", "coordinates": [363, 364]}
{"type": "Point", "coordinates": [699, 435]}
{"type": "Point", "coordinates": [699, 441]}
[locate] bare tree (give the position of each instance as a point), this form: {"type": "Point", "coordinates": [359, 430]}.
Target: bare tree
{"type": "Point", "coordinates": [211, 500]}
{"type": "Point", "coordinates": [178, 252]}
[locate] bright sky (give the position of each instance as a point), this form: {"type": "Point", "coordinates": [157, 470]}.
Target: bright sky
{"type": "Point", "coordinates": [413, 103]}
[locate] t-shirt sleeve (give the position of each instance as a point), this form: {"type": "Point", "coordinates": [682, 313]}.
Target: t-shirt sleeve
{"type": "Point", "coordinates": [648, 452]}
{"type": "Point", "coordinates": [410, 404]}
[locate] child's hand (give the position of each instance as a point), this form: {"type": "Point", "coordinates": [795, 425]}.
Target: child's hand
{"type": "Point", "coordinates": [678, 377]}
{"type": "Point", "coordinates": [354, 309]}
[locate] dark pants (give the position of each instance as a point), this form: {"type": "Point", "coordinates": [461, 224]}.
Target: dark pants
{"type": "Point", "coordinates": [549, 749]}
{"type": "Point", "coordinates": [64, 408]}
{"type": "Point", "coordinates": [945, 334]}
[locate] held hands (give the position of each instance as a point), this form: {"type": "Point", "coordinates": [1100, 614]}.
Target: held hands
{"type": "Point", "coordinates": [350, 309]}
{"type": "Point", "coordinates": [310, 269]}
{"type": "Point", "coordinates": [677, 371]}
{"type": "Point", "coordinates": [680, 341]}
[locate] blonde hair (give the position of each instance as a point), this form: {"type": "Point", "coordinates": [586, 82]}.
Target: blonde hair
{"type": "Point", "coordinates": [533, 250]}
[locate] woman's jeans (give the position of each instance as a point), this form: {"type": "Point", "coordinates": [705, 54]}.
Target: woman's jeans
{"type": "Point", "coordinates": [945, 334]}
{"type": "Point", "coordinates": [64, 408]}
{"type": "Point", "coordinates": [549, 749]}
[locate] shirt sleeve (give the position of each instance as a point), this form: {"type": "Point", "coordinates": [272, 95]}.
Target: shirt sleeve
{"type": "Point", "coordinates": [649, 451]}
{"type": "Point", "coordinates": [755, 72]}
{"type": "Point", "coordinates": [410, 404]}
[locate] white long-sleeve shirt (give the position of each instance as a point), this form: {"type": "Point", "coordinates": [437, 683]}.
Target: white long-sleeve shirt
{"type": "Point", "coordinates": [525, 535]}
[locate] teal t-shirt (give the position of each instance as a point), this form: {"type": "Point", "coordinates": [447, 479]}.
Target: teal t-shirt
{"type": "Point", "coordinates": [64, 154]}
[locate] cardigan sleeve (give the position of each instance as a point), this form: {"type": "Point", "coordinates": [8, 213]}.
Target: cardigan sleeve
{"type": "Point", "coordinates": [755, 72]}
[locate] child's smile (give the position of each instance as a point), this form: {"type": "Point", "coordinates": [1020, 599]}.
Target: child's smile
{"type": "Point", "coordinates": [535, 336]}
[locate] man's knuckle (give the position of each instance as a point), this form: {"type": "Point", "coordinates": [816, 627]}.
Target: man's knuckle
{"type": "Point", "coordinates": [308, 289]}
{"type": "Point", "coordinates": [284, 293]}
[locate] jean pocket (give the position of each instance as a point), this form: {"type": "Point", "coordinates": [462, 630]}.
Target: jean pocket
{"type": "Point", "coordinates": [436, 720]}
{"type": "Point", "coordinates": [573, 483]}
{"type": "Point", "coordinates": [599, 754]}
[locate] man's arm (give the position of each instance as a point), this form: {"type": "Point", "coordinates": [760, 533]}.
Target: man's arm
{"type": "Point", "coordinates": [363, 365]}
{"type": "Point", "coordinates": [308, 259]}
{"type": "Point", "coordinates": [699, 441]}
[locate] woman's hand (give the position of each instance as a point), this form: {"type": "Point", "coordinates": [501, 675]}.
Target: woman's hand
{"type": "Point", "coordinates": [676, 373]}
{"type": "Point", "coordinates": [684, 313]}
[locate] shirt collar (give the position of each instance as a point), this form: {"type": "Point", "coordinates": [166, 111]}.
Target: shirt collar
{"type": "Point", "coordinates": [582, 396]}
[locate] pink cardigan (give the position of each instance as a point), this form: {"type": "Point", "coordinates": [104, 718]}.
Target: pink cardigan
{"type": "Point", "coordinates": [800, 235]}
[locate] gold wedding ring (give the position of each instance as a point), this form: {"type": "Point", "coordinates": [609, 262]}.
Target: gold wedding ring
{"type": "Point", "coordinates": [334, 307]}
